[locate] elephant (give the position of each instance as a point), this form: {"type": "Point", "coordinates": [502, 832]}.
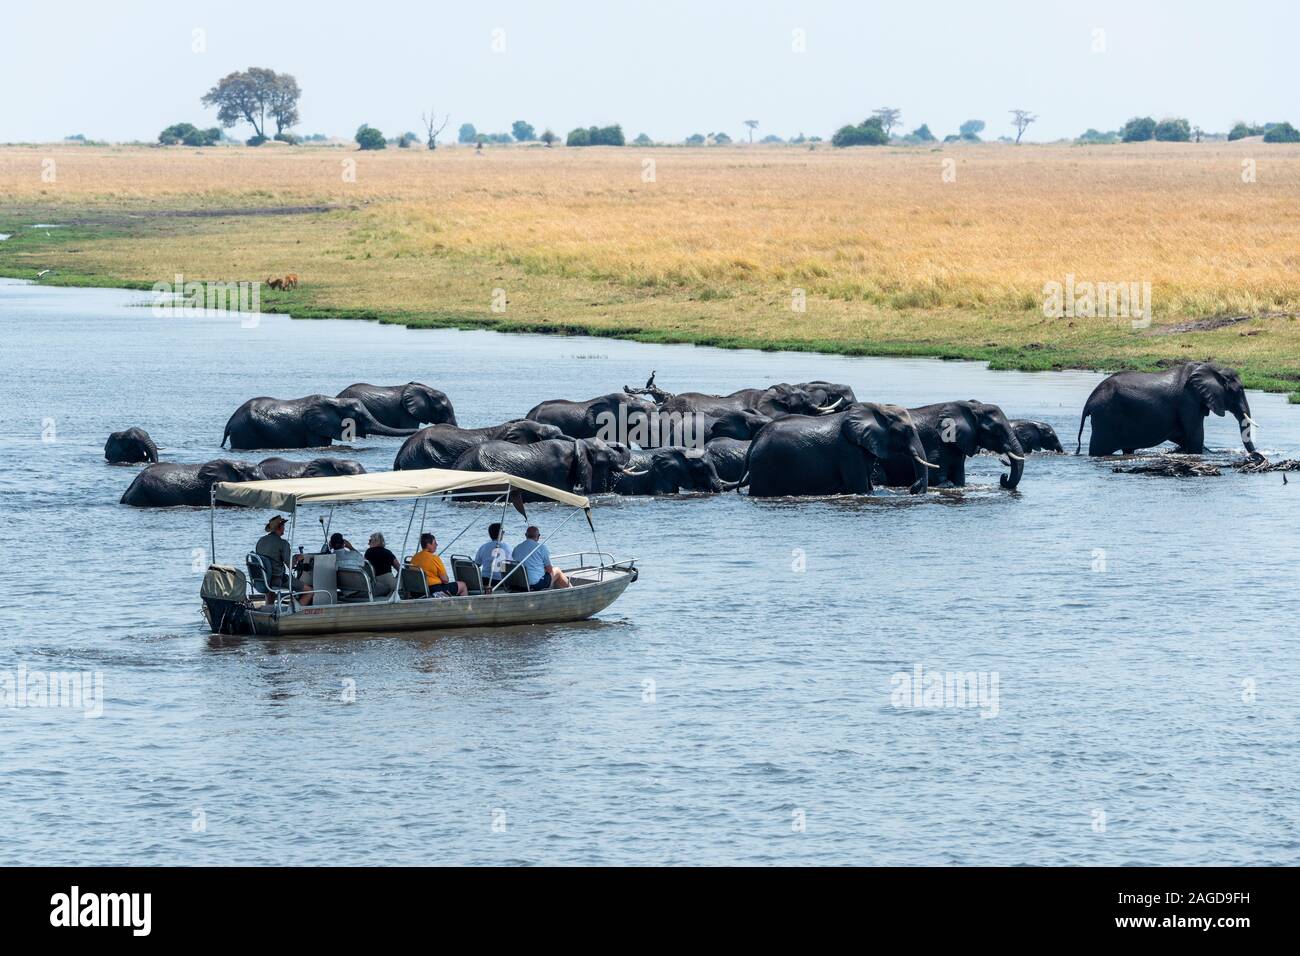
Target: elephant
{"type": "Point", "coordinates": [952, 432]}
{"type": "Point", "coordinates": [833, 453]}
{"type": "Point", "coordinates": [309, 422]}
{"type": "Point", "coordinates": [727, 455]}
{"type": "Point", "coordinates": [1036, 436]}
{"type": "Point", "coordinates": [316, 468]}
{"type": "Point", "coordinates": [741, 424]}
{"type": "Point", "coordinates": [404, 406]}
{"type": "Point", "coordinates": [776, 400]}
{"type": "Point", "coordinates": [438, 446]}
{"type": "Point", "coordinates": [1132, 410]}
{"type": "Point", "coordinates": [824, 393]}
{"type": "Point", "coordinates": [168, 484]}
{"type": "Point", "coordinates": [130, 446]}
{"type": "Point", "coordinates": [612, 417]}
{"type": "Point", "coordinates": [668, 470]}
{"type": "Point", "coordinates": [588, 465]}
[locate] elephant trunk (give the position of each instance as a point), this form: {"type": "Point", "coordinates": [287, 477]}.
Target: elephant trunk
{"type": "Point", "coordinates": [920, 467]}
{"type": "Point", "coordinates": [374, 426]}
{"type": "Point", "coordinates": [1016, 459]}
{"type": "Point", "coordinates": [150, 449]}
{"type": "Point", "coordinates": [1247, 426]}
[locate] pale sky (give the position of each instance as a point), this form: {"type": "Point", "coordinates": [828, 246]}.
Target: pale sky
{"type": "Point", "coordinates": [124, 70]}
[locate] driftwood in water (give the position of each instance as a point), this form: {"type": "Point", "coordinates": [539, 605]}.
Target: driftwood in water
{"type": "Point", "coordinates": [656, 394]}
{"type": "Point", "coordinates": [1171, 466]}
{"type": "Point", "coordinates": [1258, 464]}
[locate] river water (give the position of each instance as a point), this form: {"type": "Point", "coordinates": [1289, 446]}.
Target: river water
{"type": "Point", "coordinates": [741, 703]}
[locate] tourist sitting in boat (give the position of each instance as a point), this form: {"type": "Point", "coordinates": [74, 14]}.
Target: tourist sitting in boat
{"type": "Point", "coordinates": [276, 550]}
{"type": "Point", "coordinates": [435, 572]}
{"type": "Point", "coordinates": [536, 559]}
{"type": "Point", "coordinates": [492, 556]}
{"type": "Point", "coordinates": [346, 557]}
{"type": "Point", "coordinates": [384, 563]}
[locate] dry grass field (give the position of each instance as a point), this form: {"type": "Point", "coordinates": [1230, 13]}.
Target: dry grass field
{"type": "Point", "coordinates": [709, 245]}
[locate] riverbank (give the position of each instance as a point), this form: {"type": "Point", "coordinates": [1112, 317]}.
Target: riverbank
{"type": "Point", "coordinates": [849, 252]}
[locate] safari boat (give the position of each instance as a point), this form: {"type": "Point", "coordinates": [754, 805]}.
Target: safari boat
{"type": "Point", "coordinates": [244, 601]}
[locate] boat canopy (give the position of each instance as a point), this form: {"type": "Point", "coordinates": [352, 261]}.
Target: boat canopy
{"type": "Point", "coordinates": [285, 494]}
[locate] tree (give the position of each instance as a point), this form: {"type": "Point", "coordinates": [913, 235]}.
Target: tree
{"type": "Point", "coordinates": [888, 117]}
{"type": "Point", "coordinates": [1173, 130]}
{"type": "Point", "coordinates": [1091, 135]}
{"type": "Point", "coordinates": [1282, 133]}
{"type": "Point", "coordinates": [643, 140]}
{"type": "Point", "coordinates": [251, 95]}
{"type": "Point", "coordinates": [1138, 130]}
{"type": "Point", "coordinates": [1021, 119]}
{"type": "Point", "coordinates": [720, 139]}
{"type": "Point", "coordinates": [922, 134]}
{"type": "Point", "coordinates": [596, 136]}
{"type": "Point", "coordinates": [971, 129]}
{"type": "Point", "coordinates": [523, 132]}
{"type": "Point", "coordinates": [406, 140]}
{"type": "Point", "coordinates": [771, 138]}
{"type": "Point", "coordinates": [370, 138]}
{"type": "Point", "coordinates": [189, 134]}
{"type": "Point", "coordinates": [753, 125]}
{"type": "Point", "coordinates": [432, 128]}
{"type": "Point", "coordinates": [467, 133]}
{"type": "Point", "coordinates": [695, 139]}
{"type": "Point", "coordinates": [549, 138]}
{"type": "Point", "coordinates": [578, 137]}
{"type": "Point", "coordinates": [868, 133]}
{"type": "Point", "coordinates": [1242, 130]}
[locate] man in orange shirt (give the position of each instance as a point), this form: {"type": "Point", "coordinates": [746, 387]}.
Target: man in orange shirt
{"type": "Point", "coordinates": [435, 572]}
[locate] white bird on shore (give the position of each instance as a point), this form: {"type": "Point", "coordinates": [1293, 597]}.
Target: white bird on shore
{"type": "Point", "coordinates": [43, 273]}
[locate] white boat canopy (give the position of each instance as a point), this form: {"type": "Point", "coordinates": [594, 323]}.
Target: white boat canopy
{"type": "Point", "coordinates": [286, 494]}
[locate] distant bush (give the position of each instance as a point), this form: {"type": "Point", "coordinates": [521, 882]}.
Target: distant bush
{"type": "Point", "coordinates": [771, 138]}
{"type": "Point", "coordinates": [289, 138]}
{"type": "Point", "coordinates": [188, 134]}
{"type": "Point", "coordinates": [695, 139]}
{"type": "Point", "coordinates": [256, 140]}
{"type": "Point", "coordinates": [1095, 136]}
{"type": "Point", "coordinates": [315, 138]}
{"type": "Point", "coordinates": [523, 132]}
{"type": "Point", "coordinates": [720, 139]}
{"type": "Point", "coordinates": [75, 138]}
{"type": "Point", "coordinates": [1242, 130]}
{"type": "Point", "coordinates": [970, 130]}
{"type": "Point", "coordinates": [643, 140]}
{"type": "Point", "coordinates": [370, 138]}
{"type": "Point", "coordinates": [867, 133]}
{"type": "Point", "coordinates": [467, 133]}
{"type": "Point", "coordinates": [922, 134]}
{"type": "Point", "coordinates": [1173, 130]}
{"type": "Point", "coordinates": [1282, 133]}
{"type": "Point", "coordinates": [596, 136]}
{"type": "Point", "coordinates": [1138, 130]}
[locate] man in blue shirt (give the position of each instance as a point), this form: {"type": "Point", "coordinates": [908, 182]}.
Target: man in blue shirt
{"type": "Point", "coordinates": [536, 559]}
{"type": "Point", "coordinates": [492, 556]}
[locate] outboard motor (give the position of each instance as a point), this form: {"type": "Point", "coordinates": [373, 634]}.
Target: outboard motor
{"type": "Point", "coordinates": [225, 600]}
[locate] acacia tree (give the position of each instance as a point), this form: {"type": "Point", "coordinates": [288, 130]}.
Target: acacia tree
{"type": "Point", "coordinates": [752, 124]}
{"type": "Point", "coordinates": [1021, 120]}
{"type": "Point", "coordinates": [433, 127]}
{"type": "Point", "coordinates": [252, 94]}
{"type": "Point", "coordinates": [889, 117]}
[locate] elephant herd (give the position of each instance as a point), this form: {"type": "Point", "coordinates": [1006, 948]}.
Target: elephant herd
{"type": "Point", "coordinates": [811, 438]}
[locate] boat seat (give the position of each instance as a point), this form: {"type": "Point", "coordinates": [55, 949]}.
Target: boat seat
{"type": "Point", "coordinates": [413, 583]}
{"type": "Point", "coordinates": [355, 587]}
{"type": "Point", "coordinates": [259, 577]}
{"type": "Point", "coordinates": [467, 572]}
{"type": "Point", "coordinates": [513, 577]}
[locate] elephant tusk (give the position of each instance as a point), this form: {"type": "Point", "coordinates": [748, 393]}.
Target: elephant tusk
{"type": "Point", "coordinates": [1015, 456]}
{"type": "Point", "coordinates": [926, 463]}
{"type": "Point", "coordinates": [634, 474]}
{"type": "Point", "coordinates": [826, 409]}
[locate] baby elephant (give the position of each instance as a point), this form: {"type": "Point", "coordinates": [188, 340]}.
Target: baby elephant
{"type": "Point", "coordinates": [130, 446]}
{"type": "Point", "coordinates": [1036, 436]}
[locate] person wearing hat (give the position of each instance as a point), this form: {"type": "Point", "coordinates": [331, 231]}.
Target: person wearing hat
{"type": "Point", "coordinates": [276, 550]}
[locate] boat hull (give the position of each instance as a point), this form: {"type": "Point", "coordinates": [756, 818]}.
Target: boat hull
{"type": "Point", "coordinates": [495, 610]}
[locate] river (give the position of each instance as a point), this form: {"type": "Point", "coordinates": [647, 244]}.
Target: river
{"type": "Point", "coordinates": [1136, 637]}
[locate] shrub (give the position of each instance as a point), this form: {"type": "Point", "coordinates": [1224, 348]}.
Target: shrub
{"type": "Point", "coordinates": [1173, 131]}
{"type": "Point", "coordinates": [867, 133]}
{"type": "Point", "coordinates": [578, 137]}
{"type": "Point", "coordinates": [720, 139]}
{"type": "Point", "coordinates": [1138, 130]}
{"type": "Point", "coordinates": [771, 138]}
{"type": "Point", "coordinates": [1091, 135]}
{"type": "Point", "coordinates": [970, 130]}
{"type": "Point", "coordinates": [290, 138]}
{"type": "Point", "coordinates": [643, 140]}
{"type": "Point", "coordinates": [370, 138]}
{"type": "Point", "coordinates": [695, 139]}
{"type": "Point", "coordinates": [1241, 131]}
{"type": "Point", "coordinates": [467, 133]}
{"type": "Point", "coordinates": [596, 136]}
{"type": "Point", "coordinates": [189, 134]}
{"type": "Point", "coordinates": [523, 132]}
{"type": "Point", "coordinates": [1282, 133]}
{"type": "Point", "coordinates": [922, 134]}
{"type": "Point", "coordinates": [256, 140]}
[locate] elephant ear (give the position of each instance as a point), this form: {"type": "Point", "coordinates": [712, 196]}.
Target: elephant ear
{"type": "Point", "coordinates": [322, 420]}
{"type": "Point", "coordinates": [967, 429]}
{"type": "Point", "coordinates": [1208, 386]}
{"type": "Point", "coordinates": [413, 400]}
{"type": "Point", "coordinates": [863, 427]}
{"type": "Point", "coordinates": [580, 476]}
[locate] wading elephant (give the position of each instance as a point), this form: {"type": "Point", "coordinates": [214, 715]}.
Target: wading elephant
{"type": "Point", "coordinates": [727, 455]}
{"type": "Point", "coordinates": [310, 422]}
{"type": "Point", "coordinates": [1036, 436]}
{"type": "Point", "coordinates": [168, 484]}
{"type": "Point", "coordinates": [742, 424]}
{"type": "Point", "coordinates": [612, 417]}
{"type": "Point", "coordinates": [316, 468]}
{"type": "Point", "coordinates": [130, 446]}
{"type": "Point", "coordinates": [587, 465]}
{"type": "Point", "coordinates": [833, 454]}
{"type": "Point", "coordinates": [824, 393]}
{"type": "Point", "coordinates": [438, 446]}
{"type": "Point", "coordinates": [403, 406]}
{"type": "Point", "coordinates": [777, 400]}
{"type": "Point", "coordinates": [952, 432]}
{"type": "Point", "coordinates": [666, 471]}
{"type": "Point", "coordinates": [1132, 410]}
